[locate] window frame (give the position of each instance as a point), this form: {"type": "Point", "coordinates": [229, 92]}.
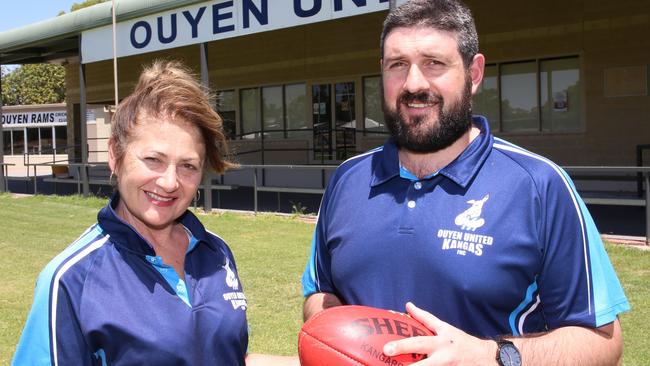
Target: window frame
{"type": "Point", "coordinates": [234, 109]}
{"type": "Point", "coordinates": [23, 129]}
{"type": "Point", "coordinates": [538, 62]}
{"type": "Point", "coordinates": [368, 132]}
{"type": "Point", "coordinates": [259, 111]}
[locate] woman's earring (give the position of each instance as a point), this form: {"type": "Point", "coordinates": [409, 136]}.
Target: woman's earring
{"type": "Point", "coordinates": [110, 178]}
{"type": "Point", "coordinates": [197, 197]}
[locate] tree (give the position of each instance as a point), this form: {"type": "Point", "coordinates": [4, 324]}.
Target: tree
{"type": "Point", "coordinates": [4, 71]}
{"type": "Point", "coordinates": [84, 4]}
{"type": "Point", "coordinates": [8, 92]}
{"type": "Point", "coordinates": [37, 83]}
{"type": "Point", "coordinates": [34, 84]}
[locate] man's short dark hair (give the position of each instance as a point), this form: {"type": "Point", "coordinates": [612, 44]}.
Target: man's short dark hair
{"type": "Point", "coordinates": [444, 15]}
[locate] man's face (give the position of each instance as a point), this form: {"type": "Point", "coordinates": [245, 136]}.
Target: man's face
{"type": "Point", "coordinates": [427, 90]}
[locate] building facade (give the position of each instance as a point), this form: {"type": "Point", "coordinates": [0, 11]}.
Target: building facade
{"type": "Point", "coordinates": [569, 82]}
{"type": "Point", "coordinates": [298, 81]}
{"type": "Point", "coordinates": [34, 135]}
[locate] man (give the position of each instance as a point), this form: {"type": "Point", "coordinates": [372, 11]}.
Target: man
{"type": "Point", "coordinates": [492, 241]}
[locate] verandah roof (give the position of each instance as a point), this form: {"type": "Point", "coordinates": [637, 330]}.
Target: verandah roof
{"type": "Point", "coordinates": [56, 39]}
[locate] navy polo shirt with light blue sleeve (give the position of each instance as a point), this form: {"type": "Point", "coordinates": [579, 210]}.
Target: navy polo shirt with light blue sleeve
{"type": "Point", "coordinates": [109, 300]}
{"type": "Point", "coordinates": [498, 242]}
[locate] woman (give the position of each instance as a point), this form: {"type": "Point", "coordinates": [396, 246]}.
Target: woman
{"type": "Point", "coordinates": [147, 284]}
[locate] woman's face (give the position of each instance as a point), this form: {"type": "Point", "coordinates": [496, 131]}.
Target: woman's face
{"type": "Point", "coordinates": [160, 172]}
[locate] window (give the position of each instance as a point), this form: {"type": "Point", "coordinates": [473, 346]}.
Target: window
{"type": "Point", "coordinates": [374, 117]}
{"type": "Point", "coordinates": [345, 120]}
{"type": "Point", "coordinates": [40, 140]}
{"type": "Point", "coordinates": [321, 97]}
{"type": "Point", "coordinates": [250, 121]}
{"type": "Point", "coordinates": [61, 139]}
{"type": "Point", "coordinates": [560, 95]}
{"type": "Point", "coordinates": [18, 139]}
{"type": "Point", "coordinates": [295, 99]}
{"type": "Point", "coordinates": [486, 99]}
{"type": "Point", "coordinates": [226, 107]}
{"type": "Point", "coordinates": [47, 146]}
{"type": "Point", "coordinates": [273, 112]}
{"type": "Point", "coordinates": [280, 110]}
{"type": "Point", "coordinates": [519, 97]}
{"type": "Point", "coordinates": [33, 146]}
{"type": "Point", "coordinates": [531, 96]}
{"type": "Point", "coordinates": [6, 139]}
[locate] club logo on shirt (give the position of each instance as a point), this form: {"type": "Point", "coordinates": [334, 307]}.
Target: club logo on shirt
{"type": "Point", "coordinates": [471, 218]}
{"type": "Point", "coordinates": [466, 241]}
{"type": "Point", "coordinates": [237, 298]}
{"type": "Point", "coordinates": [231, 278]}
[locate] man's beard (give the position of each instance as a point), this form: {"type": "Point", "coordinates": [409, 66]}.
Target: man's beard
{"type": "Point", "coordinates": [449, 127]}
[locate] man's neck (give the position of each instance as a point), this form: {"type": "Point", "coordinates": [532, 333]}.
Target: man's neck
{"type": "Point", "coordinates": [424, 164]}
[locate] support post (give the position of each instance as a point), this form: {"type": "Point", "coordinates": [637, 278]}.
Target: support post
{"type": "Point", "coordinates": [115, 82]}
{"type": "Point", "coordinates": [3, 188]}
{"type": "Point", "coordinates": [83, 128]}
{"type": "Point", "coordinates": [647, 207]}
{"type": "Point", "coordinates": [207, 176]}
{"type": "Point", "coordinates": [255, 190]}
{"type": "Point", "coordinates": [392, 5]}
{"type": "Point", "coordinates": [639, 162]}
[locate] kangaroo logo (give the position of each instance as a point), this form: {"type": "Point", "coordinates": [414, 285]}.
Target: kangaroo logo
{"type": "Point", "coordinates": [471, 218]}
{"type": "Point", "coordinates": [231, 278]}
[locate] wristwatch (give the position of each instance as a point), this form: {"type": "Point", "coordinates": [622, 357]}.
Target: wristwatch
{"type": "Point", "coordinates": [507, 353]}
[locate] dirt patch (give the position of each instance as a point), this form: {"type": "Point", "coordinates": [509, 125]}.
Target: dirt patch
{"type": "Point", "coordinates": [20, 195]}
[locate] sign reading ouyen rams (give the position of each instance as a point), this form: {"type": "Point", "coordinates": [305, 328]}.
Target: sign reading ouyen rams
{"type": "Point", "coordinates": [214, 20]}
{"type": "Point", "coordinates": [34, 118]}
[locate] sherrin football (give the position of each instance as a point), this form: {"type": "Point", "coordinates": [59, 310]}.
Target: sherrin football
{"type": "Point", "coordinates": [355, 335]}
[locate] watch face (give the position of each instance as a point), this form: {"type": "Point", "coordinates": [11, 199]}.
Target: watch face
{"type": "Point", "coordinates": [509, 355]}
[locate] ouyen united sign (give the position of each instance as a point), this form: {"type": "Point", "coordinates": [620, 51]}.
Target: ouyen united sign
{"type": "Point", "coordinates": [214, 20]}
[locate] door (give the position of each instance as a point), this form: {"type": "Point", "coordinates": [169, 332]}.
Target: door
{"type": "Point", "coordinates": [334, 121]}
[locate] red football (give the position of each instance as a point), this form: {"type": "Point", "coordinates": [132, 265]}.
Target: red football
{"type": "Point", "coordinates": [355, 335]}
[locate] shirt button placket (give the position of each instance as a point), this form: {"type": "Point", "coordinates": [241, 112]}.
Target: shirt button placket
{"type": "Point", "coordinates": [411, 203]}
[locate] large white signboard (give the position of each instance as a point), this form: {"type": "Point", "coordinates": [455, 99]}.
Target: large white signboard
{"type": "Point", "coordinates": [213, 20]}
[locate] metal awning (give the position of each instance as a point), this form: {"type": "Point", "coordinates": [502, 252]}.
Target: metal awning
{"type": "Point", "coordinates": [57, 39]}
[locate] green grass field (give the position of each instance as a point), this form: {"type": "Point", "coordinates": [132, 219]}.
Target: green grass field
{"type": "Point", "coordinates": [271, 252]}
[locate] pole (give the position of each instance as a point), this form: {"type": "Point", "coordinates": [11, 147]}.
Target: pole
{"type": "Point", "coordinates": [2, 141]}
{"type": "Point", "coordinates": [82, 124]}
{"type": "Point", "coordinates": [207, 177]}
{"type": "Point", "coordinates": [392, 4]}
{"type": "Point", "coordinates": [255, 190]}
{"type": "Point", "coordinates": [115, 57]}
{"type": "Point", "coordinates": [647, 208]}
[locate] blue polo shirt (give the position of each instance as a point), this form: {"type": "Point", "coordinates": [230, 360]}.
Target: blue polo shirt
{"type": "Point", "coordinates": [497, 242]}
{"type": "Point", "coordinates": [109, 300]}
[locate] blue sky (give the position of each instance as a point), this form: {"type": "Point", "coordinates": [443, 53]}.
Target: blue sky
{"type": "Point", "coordinates": [17, 13]}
